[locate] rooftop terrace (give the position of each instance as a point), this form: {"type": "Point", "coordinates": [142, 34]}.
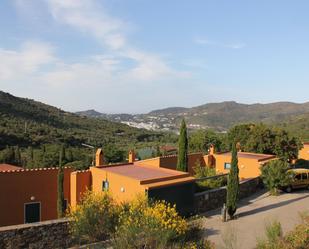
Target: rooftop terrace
{"type": "Point", "coordinates": [144, 172]}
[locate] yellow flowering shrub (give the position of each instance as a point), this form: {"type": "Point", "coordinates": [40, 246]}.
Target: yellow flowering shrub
{"type": "Point", "coordinates": [96, 218]}
{"type": "Point", "coordinates": [137, 224]}
{"type": "Point", "coordinates": [148, 225]}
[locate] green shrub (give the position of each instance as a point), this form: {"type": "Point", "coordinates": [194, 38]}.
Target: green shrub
{"type": "Point", "coordinates": [296, 239]}
{"type": "Point", "coordinates": [205, 171]}
{"type": "Point", "coordinates": [275, 175]}
{"type": "Point", "coordinates": [273, 232]}
{"type": "Point", "coordinates": [201, 172]}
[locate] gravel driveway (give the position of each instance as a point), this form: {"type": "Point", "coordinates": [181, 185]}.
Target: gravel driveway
{"type": "Point", "coordinates": [252, 216]}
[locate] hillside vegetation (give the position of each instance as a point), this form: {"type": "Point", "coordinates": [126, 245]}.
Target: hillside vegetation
{"type": "Point", "coordinates": [298, 125]}
{"type": "Point", "coordinates": [31, 132]}
{"type": "Point", "coordinates": [39, 129]}
{"type": "Point", "coordinates": [27, 122]}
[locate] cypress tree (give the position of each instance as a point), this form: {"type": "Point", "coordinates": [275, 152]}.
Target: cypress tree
{"type": "Point", "coordinates": [233, 184]}
{"type": "Point", "coordinates": [30, 158]}
{"type": "Point", "coordinates": [182, 162]}
{"type": "Point", "coordinates": [17, 156]}
{"type": "Point", "coordinates": [43, 156]}
{"type": "Point", "coordinates": [60, 199]}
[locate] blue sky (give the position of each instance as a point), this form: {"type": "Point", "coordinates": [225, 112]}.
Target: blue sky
{"type": "Point", "coordinates": [138, 55]}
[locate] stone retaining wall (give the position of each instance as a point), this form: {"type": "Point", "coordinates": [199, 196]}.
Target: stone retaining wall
{"type": "Point", "coordinates": [215, 198]}
{"type": "Point", "coordinates": [46, 234]}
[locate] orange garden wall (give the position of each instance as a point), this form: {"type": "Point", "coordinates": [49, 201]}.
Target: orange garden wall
{"type": "Point", "coordinates": [170, 162]}
{"type": "Point", "coordinates": [116, 182]}
{"type": "Point", "coordinates": [304, 152]}
{"type": "Point", "coordinates": [80, 182]}
{"type": "Point", "coordinates": [17, 187]}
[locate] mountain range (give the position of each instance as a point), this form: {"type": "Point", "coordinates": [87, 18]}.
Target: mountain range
{"type": "Point", "coordinates": [217, 116]}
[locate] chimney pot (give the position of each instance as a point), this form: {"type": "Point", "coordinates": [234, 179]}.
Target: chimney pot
{"type": "Point", "coordinates": [99, 157]}
{"type": "Point", "coordinates": [131, 156]}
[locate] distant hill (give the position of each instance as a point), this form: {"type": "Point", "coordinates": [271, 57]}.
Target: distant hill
{"type": "Point", "coordinates": [89, 113]}
{"type": "Point", "coordinates": [26, 122]}
{"type": "Point", "coordinates": [218, 116]}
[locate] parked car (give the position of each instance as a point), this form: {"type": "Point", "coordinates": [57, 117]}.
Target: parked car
{"type": "Point", "coordinates": [300, 180]}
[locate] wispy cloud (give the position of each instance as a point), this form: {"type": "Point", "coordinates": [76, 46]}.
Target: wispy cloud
{"type": "Point", "coordinates": [36, 69]}
{"type": "Point", "coordinates": [92, 18]}
{"type": "Point", "coordinates": [89, 17]}
{"type": "Point", "coordinates": [31, 56]}
{"type": "Point", "coordinates": [203, 41]}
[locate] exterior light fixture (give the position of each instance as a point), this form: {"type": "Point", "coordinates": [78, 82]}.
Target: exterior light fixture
{"type": "Point", "coordinates": [32, 198]}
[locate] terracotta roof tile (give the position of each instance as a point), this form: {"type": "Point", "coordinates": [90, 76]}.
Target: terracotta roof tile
{"type": "Point", "coordinates": [6, 167]}
{"type": "Point", "coordinates": [144, 172]}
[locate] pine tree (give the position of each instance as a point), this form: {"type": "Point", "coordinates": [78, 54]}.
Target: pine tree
{"type": "Point", "coordinates": [182, 162]}
{"type": "Point", "coordinates": [60, 200]}
{"type": "Point", "coordinates": [233, 184]}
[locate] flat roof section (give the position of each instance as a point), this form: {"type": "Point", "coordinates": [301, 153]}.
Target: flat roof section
{"type": "Point", "coordinates": [144, 172]}
{"type": "Point", "coordinates": [7, 167]}
{"type": "Point", "coordinates": [256, 156]}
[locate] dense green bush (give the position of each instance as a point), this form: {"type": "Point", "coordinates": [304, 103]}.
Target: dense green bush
{"type": "Point", "coordinates": [275, 175]}
{"type": "Point", "coordinates": [204, 171]}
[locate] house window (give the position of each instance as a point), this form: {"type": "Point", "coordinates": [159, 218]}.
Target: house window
{"type": "Point", "coordinates": [227, 165]}
{"type": "Point", "coordinates": [32, 212]}
{"type": "Point", "coordinates": [105, 185]}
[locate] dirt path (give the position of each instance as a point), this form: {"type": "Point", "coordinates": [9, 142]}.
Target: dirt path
{"type": "Point", "coordinates": [253, 214]}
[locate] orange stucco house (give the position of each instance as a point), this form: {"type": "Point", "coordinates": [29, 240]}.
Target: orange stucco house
{"type": "Point", "coordinates": [30, 195]}
{"type": "Point", "coordinates": [249, 163]}
{"type": "Point", "coordinates": [125, 181]}
{"type": "Point", "coordinates": [304, 152]}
